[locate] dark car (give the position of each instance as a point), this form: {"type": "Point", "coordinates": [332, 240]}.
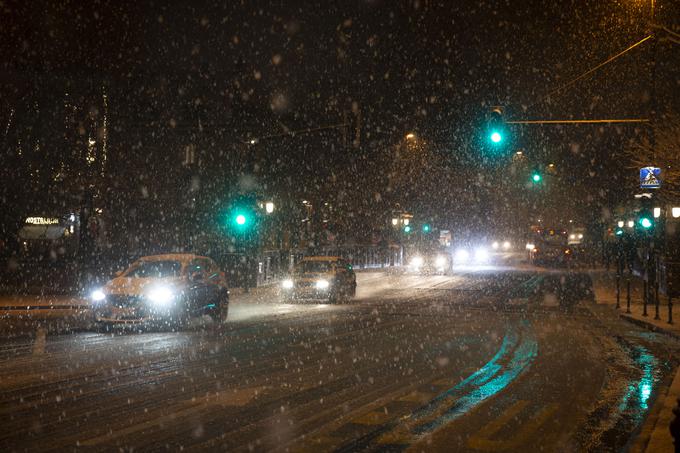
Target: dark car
{"type": "Point", "coordinates": [320, 277]}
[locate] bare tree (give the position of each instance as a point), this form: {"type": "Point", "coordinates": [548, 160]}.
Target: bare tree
{"type": "Point", "coordinates": [664, 154]}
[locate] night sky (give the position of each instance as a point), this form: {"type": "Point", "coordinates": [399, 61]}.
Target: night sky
{"type": "Point", "coordinates": [255, 68]}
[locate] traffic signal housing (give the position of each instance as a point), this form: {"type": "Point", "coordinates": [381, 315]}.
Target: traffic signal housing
{"type": "Point", "coordinates": [241, 217]}
{"type": "Point", "coordinates": [645, 223]}
{"type": "Point", "coordinates": [495, 129]}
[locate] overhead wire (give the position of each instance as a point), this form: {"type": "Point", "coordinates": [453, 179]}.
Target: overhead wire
{"type": "Point", "coordinates": [590, 71]}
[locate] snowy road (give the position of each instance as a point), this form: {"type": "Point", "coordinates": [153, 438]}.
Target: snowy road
{"type": "Point", "coordinates": [485, 360]}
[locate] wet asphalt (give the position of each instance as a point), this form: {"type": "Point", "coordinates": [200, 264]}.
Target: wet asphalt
{"type": "Point", "coordinates": [484, 360]}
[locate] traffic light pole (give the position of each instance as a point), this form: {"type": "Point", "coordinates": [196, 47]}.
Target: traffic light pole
{"type": "Point", "coordinates": [619, 268]}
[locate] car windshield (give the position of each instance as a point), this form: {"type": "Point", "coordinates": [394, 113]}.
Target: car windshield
{"type": "Point", "coordinates": [313, 267]}
{"type": "Point", "coordinates": [155, 269]}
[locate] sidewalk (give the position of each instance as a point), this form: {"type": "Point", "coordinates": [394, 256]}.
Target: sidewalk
{"type": "Point", "coordinates": [604, 286]}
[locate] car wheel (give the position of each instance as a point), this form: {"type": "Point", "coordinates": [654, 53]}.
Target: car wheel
{"type": "Point", "coordinates": [221, 311]}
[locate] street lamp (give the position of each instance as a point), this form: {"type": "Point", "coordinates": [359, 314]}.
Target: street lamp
{"type": "Point", "coordinates": [395, 222]}
{"type": "Point", "coordinates": [410, 136]}
{"type": "Point", "coordinates": [269, 207]}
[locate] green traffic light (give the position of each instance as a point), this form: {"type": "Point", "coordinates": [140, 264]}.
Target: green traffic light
{"type": "Point", "coordinates": [241, 219]}
{"type": "Point", "coordinates": [407, 229]}
{"type": "Point", "coordinates": [496, 137]}
{"type": "Point", "coordinates": [645, 223]}
{"type": "Point", "coordinates": [536, 177]}
{"type": "Point", "coordinates": [619, 232]}
{"type": "Point", "coordinates": [426, 228]}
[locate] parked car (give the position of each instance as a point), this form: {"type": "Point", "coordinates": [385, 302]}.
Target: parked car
{"type": "Point", "coordinates": [320, 277]}
{"type": "Point", "coordinates": [163, 290]}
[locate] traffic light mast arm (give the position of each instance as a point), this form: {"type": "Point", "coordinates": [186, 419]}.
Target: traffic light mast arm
{"type": "Point", "coordinates": [594, 121]}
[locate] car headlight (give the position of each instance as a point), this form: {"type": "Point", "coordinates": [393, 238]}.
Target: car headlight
{"type": "Point", "coordinates": [440, 261]}
{"type": "Point", "coordinates": [481, 255]}
{"type": "Point", "coordinates": [506, 245]}
{"type": "Point", "coordinates": [322, 284]}
{"type": "Point", "coordinates": [580, 236]}
{"type": "Point", "coordinates": [417, 261]}
{"type": "Point", "coordinates": [495, 245]}
{"type": "Point", "coordinates": [287, 284]}
{"type": "Point", "coordinates": [97, 295]}
{"type": "Point", "coordinates": [161, 295]}
{"type": "Point", "coordinates": [461, 256]}
{"type": "Point", "coordinates": [530, 246]}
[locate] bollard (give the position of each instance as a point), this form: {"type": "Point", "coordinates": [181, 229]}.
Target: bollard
{"type": "Point", "coordinates": [670, 309]}
{"type": "Point", "coordinates": [656, 301]}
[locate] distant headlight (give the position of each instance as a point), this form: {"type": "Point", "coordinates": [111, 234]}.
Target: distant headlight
{"type": "Point", "coordinates": [161, 295]}
{"type": "Point", "coordinates": [481, 255]}
{"type": "Point", "coordinates": [530, 246]}
{"type": "Point", "coordinates": [572, 236]}
{"type": "Point", "coordinates": [440, 261]}
{"type": "Point", "coordinates": [322, 284]}
{"type": "Point", "coordinates": [287, 284]}
{"type": "Point", "coordinates": [506, 245]}
{"type": "Point", "coordinates": [97, 295]}
{"type": "Point", "coordinates": [461, 256]}
{"type": "Point", "coordinates": [495, 245]}
{"type": "Point", "coordinates": [580, 236]}
{"type": "Point", "coordinates": [417, 261]}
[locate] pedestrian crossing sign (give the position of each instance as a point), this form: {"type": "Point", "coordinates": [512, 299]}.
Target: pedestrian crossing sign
{"type": "Point", "coordinates": [650, 177]}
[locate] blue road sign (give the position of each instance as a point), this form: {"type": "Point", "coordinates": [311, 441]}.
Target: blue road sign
{"type": "Point", "coordinates": [650, 177]}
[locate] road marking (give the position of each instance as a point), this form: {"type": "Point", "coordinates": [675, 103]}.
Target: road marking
{"type": "Point", "coordinates": [515, 356]}
{"type": "Point", "coordinates": [237, 397]}
{"type": "Point", "coordinates": [372, 418]}
{"type": "Point", "coordinates": [482, 439]}
{"type": "Point", "coordinates": [417, 397]}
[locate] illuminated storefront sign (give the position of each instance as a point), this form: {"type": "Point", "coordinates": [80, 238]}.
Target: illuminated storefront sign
{"type": "Point", "coordinates": [42, 220]}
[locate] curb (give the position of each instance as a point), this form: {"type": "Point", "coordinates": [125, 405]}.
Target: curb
{"type": "Point", "coordinates": [649, 326]}
{"type": "Point", "coordinates": [660, 438]}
